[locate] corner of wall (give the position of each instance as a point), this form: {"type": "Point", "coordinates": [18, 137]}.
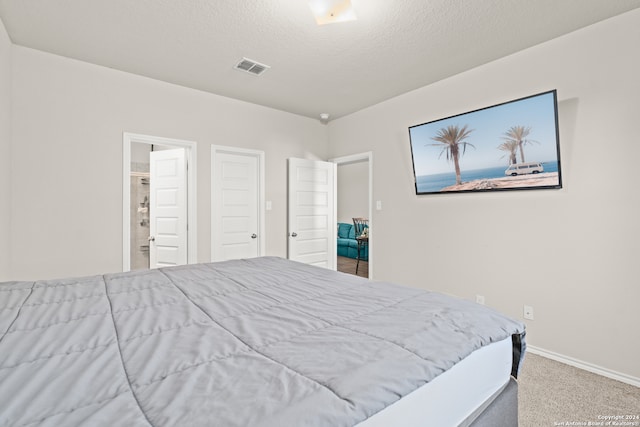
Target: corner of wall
{"type": "Point", "coordinates": [6, 70]}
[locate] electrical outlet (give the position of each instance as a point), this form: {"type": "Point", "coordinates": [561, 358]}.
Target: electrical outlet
{"type": "Point", "coordinates": [480, 299]}
{"type": "Point", "coordinates": [528, 312]}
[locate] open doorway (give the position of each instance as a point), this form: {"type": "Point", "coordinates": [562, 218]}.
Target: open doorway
{"type": "Point", "coordinates": [353, 200]}
{"type": "Point", "coordinates": [159, 204]}
{"type": "Point", "coordinates": [139, 206]}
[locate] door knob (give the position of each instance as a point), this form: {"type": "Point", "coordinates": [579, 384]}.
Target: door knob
{"type": "Point", "coordinates": [254, 235]}
{"type": "Point", "coordinates": [294, 234]}
{"type": "Point", "coordinates": [151, 238]}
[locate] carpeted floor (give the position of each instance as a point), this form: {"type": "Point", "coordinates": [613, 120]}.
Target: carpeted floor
{"type": "Point", "coordinates": [555, 394]}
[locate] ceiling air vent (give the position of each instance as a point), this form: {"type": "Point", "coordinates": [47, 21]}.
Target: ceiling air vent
{"type": "Point", "coordinates": [252, 67]}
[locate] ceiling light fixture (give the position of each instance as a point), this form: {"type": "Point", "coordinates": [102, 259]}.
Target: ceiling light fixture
{"type": "Point", "coordinates": [332, 11]}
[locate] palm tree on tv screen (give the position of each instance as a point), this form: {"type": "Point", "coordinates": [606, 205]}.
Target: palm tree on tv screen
{"type": "Point", "coordinates": [519, 134]}
{"type": "Point", "coordinates": [451, 139]}
{"type": "Point", "coordinates": [511, 147]}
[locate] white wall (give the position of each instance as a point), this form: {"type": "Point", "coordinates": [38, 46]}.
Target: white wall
{"type": "Point", "coordinates": [5, 152]}
{"type": "Point", "coordinates": [68, 120]}
{"type": "Point", "coordinates": [578, 261]}
{"type": "Point", "coordinates": [353, 191]}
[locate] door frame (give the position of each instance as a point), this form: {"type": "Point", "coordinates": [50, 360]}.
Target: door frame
{"type": "Point", "coordinates": [357, 158]}
{"type": "Point", "coordinates": [191, 156]}
{"type": "Point", "coordinates": [262, 229]}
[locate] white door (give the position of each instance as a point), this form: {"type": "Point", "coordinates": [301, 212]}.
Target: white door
{"type": "Point", "coordinates": [168, 208]}
{"type": "Point", "coordinates": [235, 205]}
{"type": "Point", "coordinates": [312, 213]}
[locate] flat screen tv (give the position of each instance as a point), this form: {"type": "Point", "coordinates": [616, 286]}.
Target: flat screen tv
{"type": "Point", "coordinates": [509, 146]}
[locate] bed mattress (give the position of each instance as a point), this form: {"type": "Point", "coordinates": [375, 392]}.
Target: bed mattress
{"type": "Point", "coordinates": [259, 342]}
{"type": "Point", "coordinates": [454, 397]}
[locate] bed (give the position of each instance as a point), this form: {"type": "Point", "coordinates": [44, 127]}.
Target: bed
{"type": "Point", "coordinates": [256, 342]}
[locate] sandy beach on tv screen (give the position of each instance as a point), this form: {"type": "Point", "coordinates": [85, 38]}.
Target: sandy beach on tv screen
{"type": "Point", "coordinates": [546, 179]}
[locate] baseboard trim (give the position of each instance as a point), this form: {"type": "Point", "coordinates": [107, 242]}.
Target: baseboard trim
{"type": "Point", "coordinates": [618, 376]}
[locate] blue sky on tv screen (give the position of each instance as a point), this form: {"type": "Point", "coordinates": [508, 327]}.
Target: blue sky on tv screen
{"type": "Point", "coordinates": [489, 126]}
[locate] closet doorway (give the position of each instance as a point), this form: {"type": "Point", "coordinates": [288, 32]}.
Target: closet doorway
{"type": "Point", "coordinates": [159, 203]}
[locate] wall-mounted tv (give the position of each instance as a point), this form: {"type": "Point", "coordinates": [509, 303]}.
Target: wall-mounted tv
{"type": "Point", "coordinates": [509, 146]}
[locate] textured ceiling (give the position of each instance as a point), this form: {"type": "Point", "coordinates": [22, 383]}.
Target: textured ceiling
{"type": "Point", "coordinates": [393, 47]}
